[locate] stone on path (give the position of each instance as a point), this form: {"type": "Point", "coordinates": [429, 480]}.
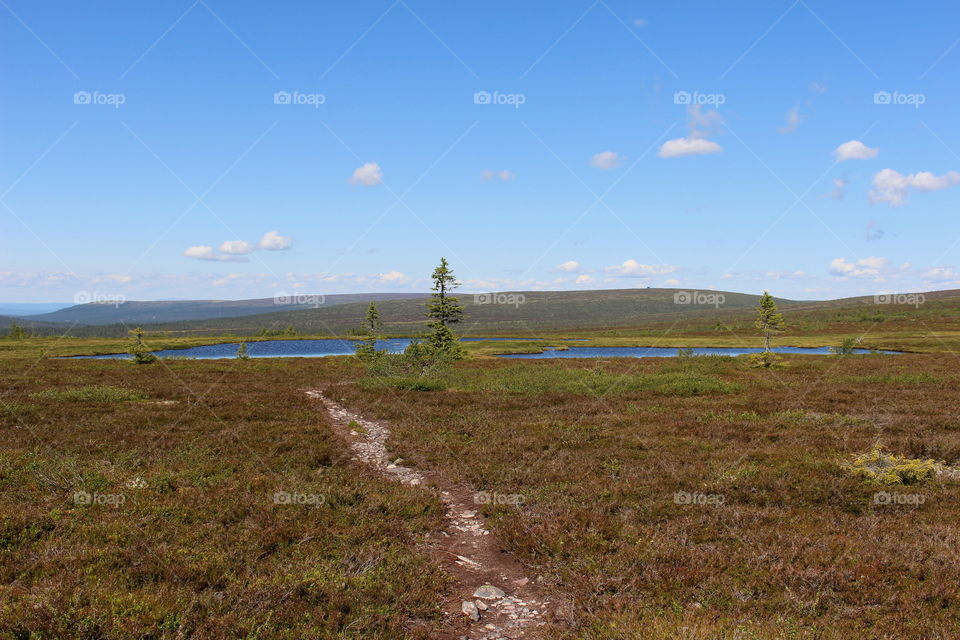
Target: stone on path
{"type": "Point", "coordinates": [488, 592]}
{"type": "Point", "coordinates": [470, 610]}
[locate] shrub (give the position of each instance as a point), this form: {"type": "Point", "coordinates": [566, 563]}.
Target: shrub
{"type": "Point", "coordinates": [97, 393]}
{"type": "Point", "coordinates": [421, 366]}
{"type": "Point", "coordinates": [846, 347]}
{"type": "Point", "coordinates": [765, 360]}
{"type": "Point", "coordinates": [886, 468]}
{"type": "Point", "coordinates": [141, 354]}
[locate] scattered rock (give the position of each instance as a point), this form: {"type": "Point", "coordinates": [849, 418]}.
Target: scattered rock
{"type": "Point", "coordinates": [481, 605]}
{"type": "Point", "coordinates": [488, 592]}
{"type": "Point", "coordinates": [470, 610]}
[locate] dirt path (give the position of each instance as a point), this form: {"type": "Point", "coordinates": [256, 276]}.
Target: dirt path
{"type": "Point", "coordinates": [495, 599]}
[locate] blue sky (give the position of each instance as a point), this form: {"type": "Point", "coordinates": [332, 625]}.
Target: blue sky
{"type": "Point", "coordinates": [624, 144]}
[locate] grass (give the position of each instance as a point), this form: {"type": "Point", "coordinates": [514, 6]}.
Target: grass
{"type": "Point", "coordinates": [158, 519]}
{"type": "Point", "coordinates": [537, 378]}
{"type": "Point", "coordinates": [796, 548]}
{"type": "Point", "coordinates": [663, 498]}
{"type": "Point", "coordinates": [93, 393]}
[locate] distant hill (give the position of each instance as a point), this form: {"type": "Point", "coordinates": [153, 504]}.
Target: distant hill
{"type": "Point", "coordinates": [23, 309]}
{"type": "Point", "coordinates": [521, 314]}
{"type": "Point", "coordinates": [135, 312]}
{"type": "Point", "coordinates": [514, 313]}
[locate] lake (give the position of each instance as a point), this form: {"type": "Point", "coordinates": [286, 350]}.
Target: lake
{"type": "Point", "coordinates": [314, 348]}
{"type": "Point", "coordinates": [664, 352]}
{"type": "Point", "coordinates": [317, 348]}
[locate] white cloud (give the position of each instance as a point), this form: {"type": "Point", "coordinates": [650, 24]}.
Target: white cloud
{"type": "Point", "coordinates": [671, 282]}
{"type": "Point", "coordinates": [696, 143]}
{"type": "Point", "coordinates": [940, 274]}
{"type": "Point", "coordinates": [866, 268]}
{"type": "Point", "coordinates": [273, 241]}
{"type": "Point", "coordinates": [633, 269]}
{"type": "Point", "coordinates": [391, 276]}
{"type": "Point", "coordinates": [503, 174]}
{"type": "Point", "coordinates": [891, 186]}
{"type": "Point", "coordinates": [854, 150]}
{"type": "Point", "coordinates": [570, 266]}
{"type": "Point", "coordinates": [640, 22]}
{"type": "Point", "coordinates": [793, 121]}
{"type": "Point", "coordinates": [818, 88]}
{"type": "Point", "coordinates": [583, 279]}
{"type": "Point", "coordinates": [227, 280]}
{"type": "Point", "coordinates": [679, 147]}
{"type": "Point", "coordinates": [237, 247]}
{"type": "Point", "coordinates": [606, 160]}
{"type": "Point", "coordinates": [202, 252]}
{"type": "Point", "coordinates": [369, 175]}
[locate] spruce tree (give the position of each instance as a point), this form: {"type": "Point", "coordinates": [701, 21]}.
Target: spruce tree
{"type": "Point", "coordinates": [139, 351]}
{"type": "Point", "coordinates": [367, 348]}
{"type": "Point", "coordinates": [444, 310]}
{"type": "Point", "coordinates": [769, 320]}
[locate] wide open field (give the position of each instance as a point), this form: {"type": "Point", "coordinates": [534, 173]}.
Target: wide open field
{"type": "Point", "coordinates": [658, 498]}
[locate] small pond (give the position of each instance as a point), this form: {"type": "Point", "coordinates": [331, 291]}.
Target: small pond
{"type": "Point", "coordinates": [316, 348]}
{"type": "Point", "coordinates": [664, 352]}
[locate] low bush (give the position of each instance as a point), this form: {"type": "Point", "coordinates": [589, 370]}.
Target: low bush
{"type": "Point", "coordinates": [97, 393]}
{"type": "Point", "coordinates": [886, 468]}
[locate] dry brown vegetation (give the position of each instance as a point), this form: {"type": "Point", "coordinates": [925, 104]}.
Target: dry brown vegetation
{"type": "Point", "coordinates": [797, 547]}
{"type": "Point", "coordinates": [661, 498]}
{"type": "Point", "coordinates": [149, 511]}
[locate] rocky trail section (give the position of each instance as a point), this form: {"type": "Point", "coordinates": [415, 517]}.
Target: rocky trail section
{"type": "Point", "coordinates": [495, 599]}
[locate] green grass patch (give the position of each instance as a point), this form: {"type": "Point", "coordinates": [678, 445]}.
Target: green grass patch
{"type": "Point", "coordinates": [538, 379]}
{"type": "Point", "coordinates": [96, 393]}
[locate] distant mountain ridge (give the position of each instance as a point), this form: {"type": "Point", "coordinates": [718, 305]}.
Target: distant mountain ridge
{"type": "Point", "coordinates": [515, 313]}
{"type": "Point", "coordinates": [147, 312]}
{"type": "Point", "coordinates": [521, 313]}
{"type": "Point", "coordinates": [23, 309]}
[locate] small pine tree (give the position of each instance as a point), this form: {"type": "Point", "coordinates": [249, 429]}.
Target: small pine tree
{"type": "Point", "coordinates": [769, 320]}
{"type": "Point", "coordinates": [17, 332]}
{"type": "Point", "coordinates": [139, 351]}
{"type": "Point", "coordinates": [444, 310]}
{"type": "Point", "coordinates": [242, 352]}
{"type": "Point", "coordinates": [367, 348]}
